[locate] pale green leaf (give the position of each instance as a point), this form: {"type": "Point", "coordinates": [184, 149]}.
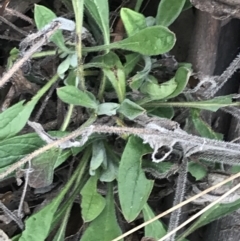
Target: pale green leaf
{"type": "Point", "coordinates": [108, 109]}
{"type": "Point", "coordinates": [130, 109]}
{"type": "Point", "coordinates": [72, 95]}
{"type": "Point", "coordinates": [133, 21]}
{"type": "Point", "coordinates": [109, 174]}
{"type": "Point", "coordinates": [168, 11]}
{"type": "Point", "coordinates": [92, 203]}
{"type": "Point", "coordinates": [105, 227]}
{"type": "Point", "coordinates": [44, 16]}
{"type": "Point", "coordinates": [157, 91]}
{"type": "Point", "coordinates": [98, 156]}
{"type": "Point", "coordinates": [181, 78]}
{"type": "Point", "coordinates": [134, 188]}
{"type": "Point", "coordinates": [64, 66]}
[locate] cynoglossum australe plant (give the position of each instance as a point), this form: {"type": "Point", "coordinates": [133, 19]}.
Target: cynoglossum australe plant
{"type": "Point", "coordinates": [121, 102]}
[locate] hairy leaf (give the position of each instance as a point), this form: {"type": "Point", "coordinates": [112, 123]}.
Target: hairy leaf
{"type": "Point", "coordinates": [130, 109]}
{"type": "Point", "coordinates": [155, 229]}
{"type": "Point", "coordinates": [99, 10]}
{"type": "Point", "coordinates": [92, 203]}
{"type": "Point", "coordinates": [197, 170]}
{"type": "Point", "coordinates": [134, 188]}
{"type": "Point", "coordinates": [133, 21]}
{"type": "Point", "coordinates": [214, 213]}
{"type": "Point", "coordinates": [157, 91]}
{"type": "Point", "coordinates": [44, 16]}
{"type": "Point", "coordinates": [181, 77]}
{"type": "Point", "coordinates": [149, 41]}
{"type": "Point", "coordinates": [168, 11]}
{"type": "Point", "coordinates": [72, 95]}
{"type": "Point", "coordinates": [105, 226]}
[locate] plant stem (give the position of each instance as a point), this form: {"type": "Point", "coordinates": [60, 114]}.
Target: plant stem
{"type": "Point", "coordinates": [78, 11]}
{"type": "Point", "coordinates": [102, 87]}
{"type": "Point", "coordinates": [67, 118]}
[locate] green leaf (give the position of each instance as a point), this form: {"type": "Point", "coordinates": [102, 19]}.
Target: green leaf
{"type": "Point", "coordinates": [64, 66]}
{"type": "Point", "coordinates": [212, 105]}
{"type": "Point", "coordinates": [133, 21]}
{"type": "Point", "coordinates": [99, 10]}
{"type": "Point", "coordinates": [15, 118]}
{"type": "Point", "coordinates": [92, 203]}
{"type": "Point", "coordinates": [44, 16]}
{"type": "Point", "coordinates": [155, 229]}
{"type": "Point", "coordinates": [187, 5]}
{"type": "Point", "coordinates": [98, 156]}
{"type": "Point", "coordinates": [163, 112]}
{"type": "Point", "coordinates": [202, 127]}
{"type": "Point", "coordinates": [156, 169]}
{"type": "Point", "coordinates": [15, 148]}
{"type": "Point", "coordinates": [197, 170]}
{"type": "Point", "coordinates": [130, 109]}
{"type": "Point", "coordinates": [134, 188]}
{"type": "Point", "coordinates": [168, 11]}
{"type": "Point", "coordinates": [108, 109]}
{"type": "Point", "coordinates": [149, 41]}
{"type": "Point", "coordinates": [181, 78]}
{"type": "Point", "coordinates": [131, 61]}
{"type": "Point", "coordinates": [110, 173]}
{"type": "Point", "coordinates": [136, 81]}
{"type": "Point", "coordinates": [113, 69]}
{"type": "Point", "coordinates": [214, 213]}
{"type": "Point", "coordinates": [72, 95]}
{"type": "Point", "coordinates": [43, 168]}
{"type": "Point", "coordinates": [105, 226]}
{"type": "Point", "coordinates": [38, 225]}
{"type": "Point", "coordinates": [157, 91]}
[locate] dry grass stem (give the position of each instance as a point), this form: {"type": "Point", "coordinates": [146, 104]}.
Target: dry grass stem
{"type": "Point", "coordinates": [181, 205]}
{"type": "Point", "coordinates": [27, 55]}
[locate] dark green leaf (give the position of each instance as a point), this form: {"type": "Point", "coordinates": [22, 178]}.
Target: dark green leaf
{"type": "Point", "coordinates": [163, 112]}
{"type": "Point", "coordinates": [202, 127]}
{"type": "Point", "coordinates": [168, 11]}
{"type": "Point", "coordinates": [197, 170]}
{"type": "Point", "coordinates": [136, 81]}
{"type": "Point", "coordinates": [155, 229]}
{"type": "Point", "coordinates": [134, 188]}
{"type": "Point", "coordinates": [99, 11]}
{"type": "Point", "coordinates": [214, 213]}
{"type": "Point", "coordinates": [105, 227]}
{"type": "Point", "coordinates": [131, 61]}
{"type": "Point", "coordinates": [92, 203]}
